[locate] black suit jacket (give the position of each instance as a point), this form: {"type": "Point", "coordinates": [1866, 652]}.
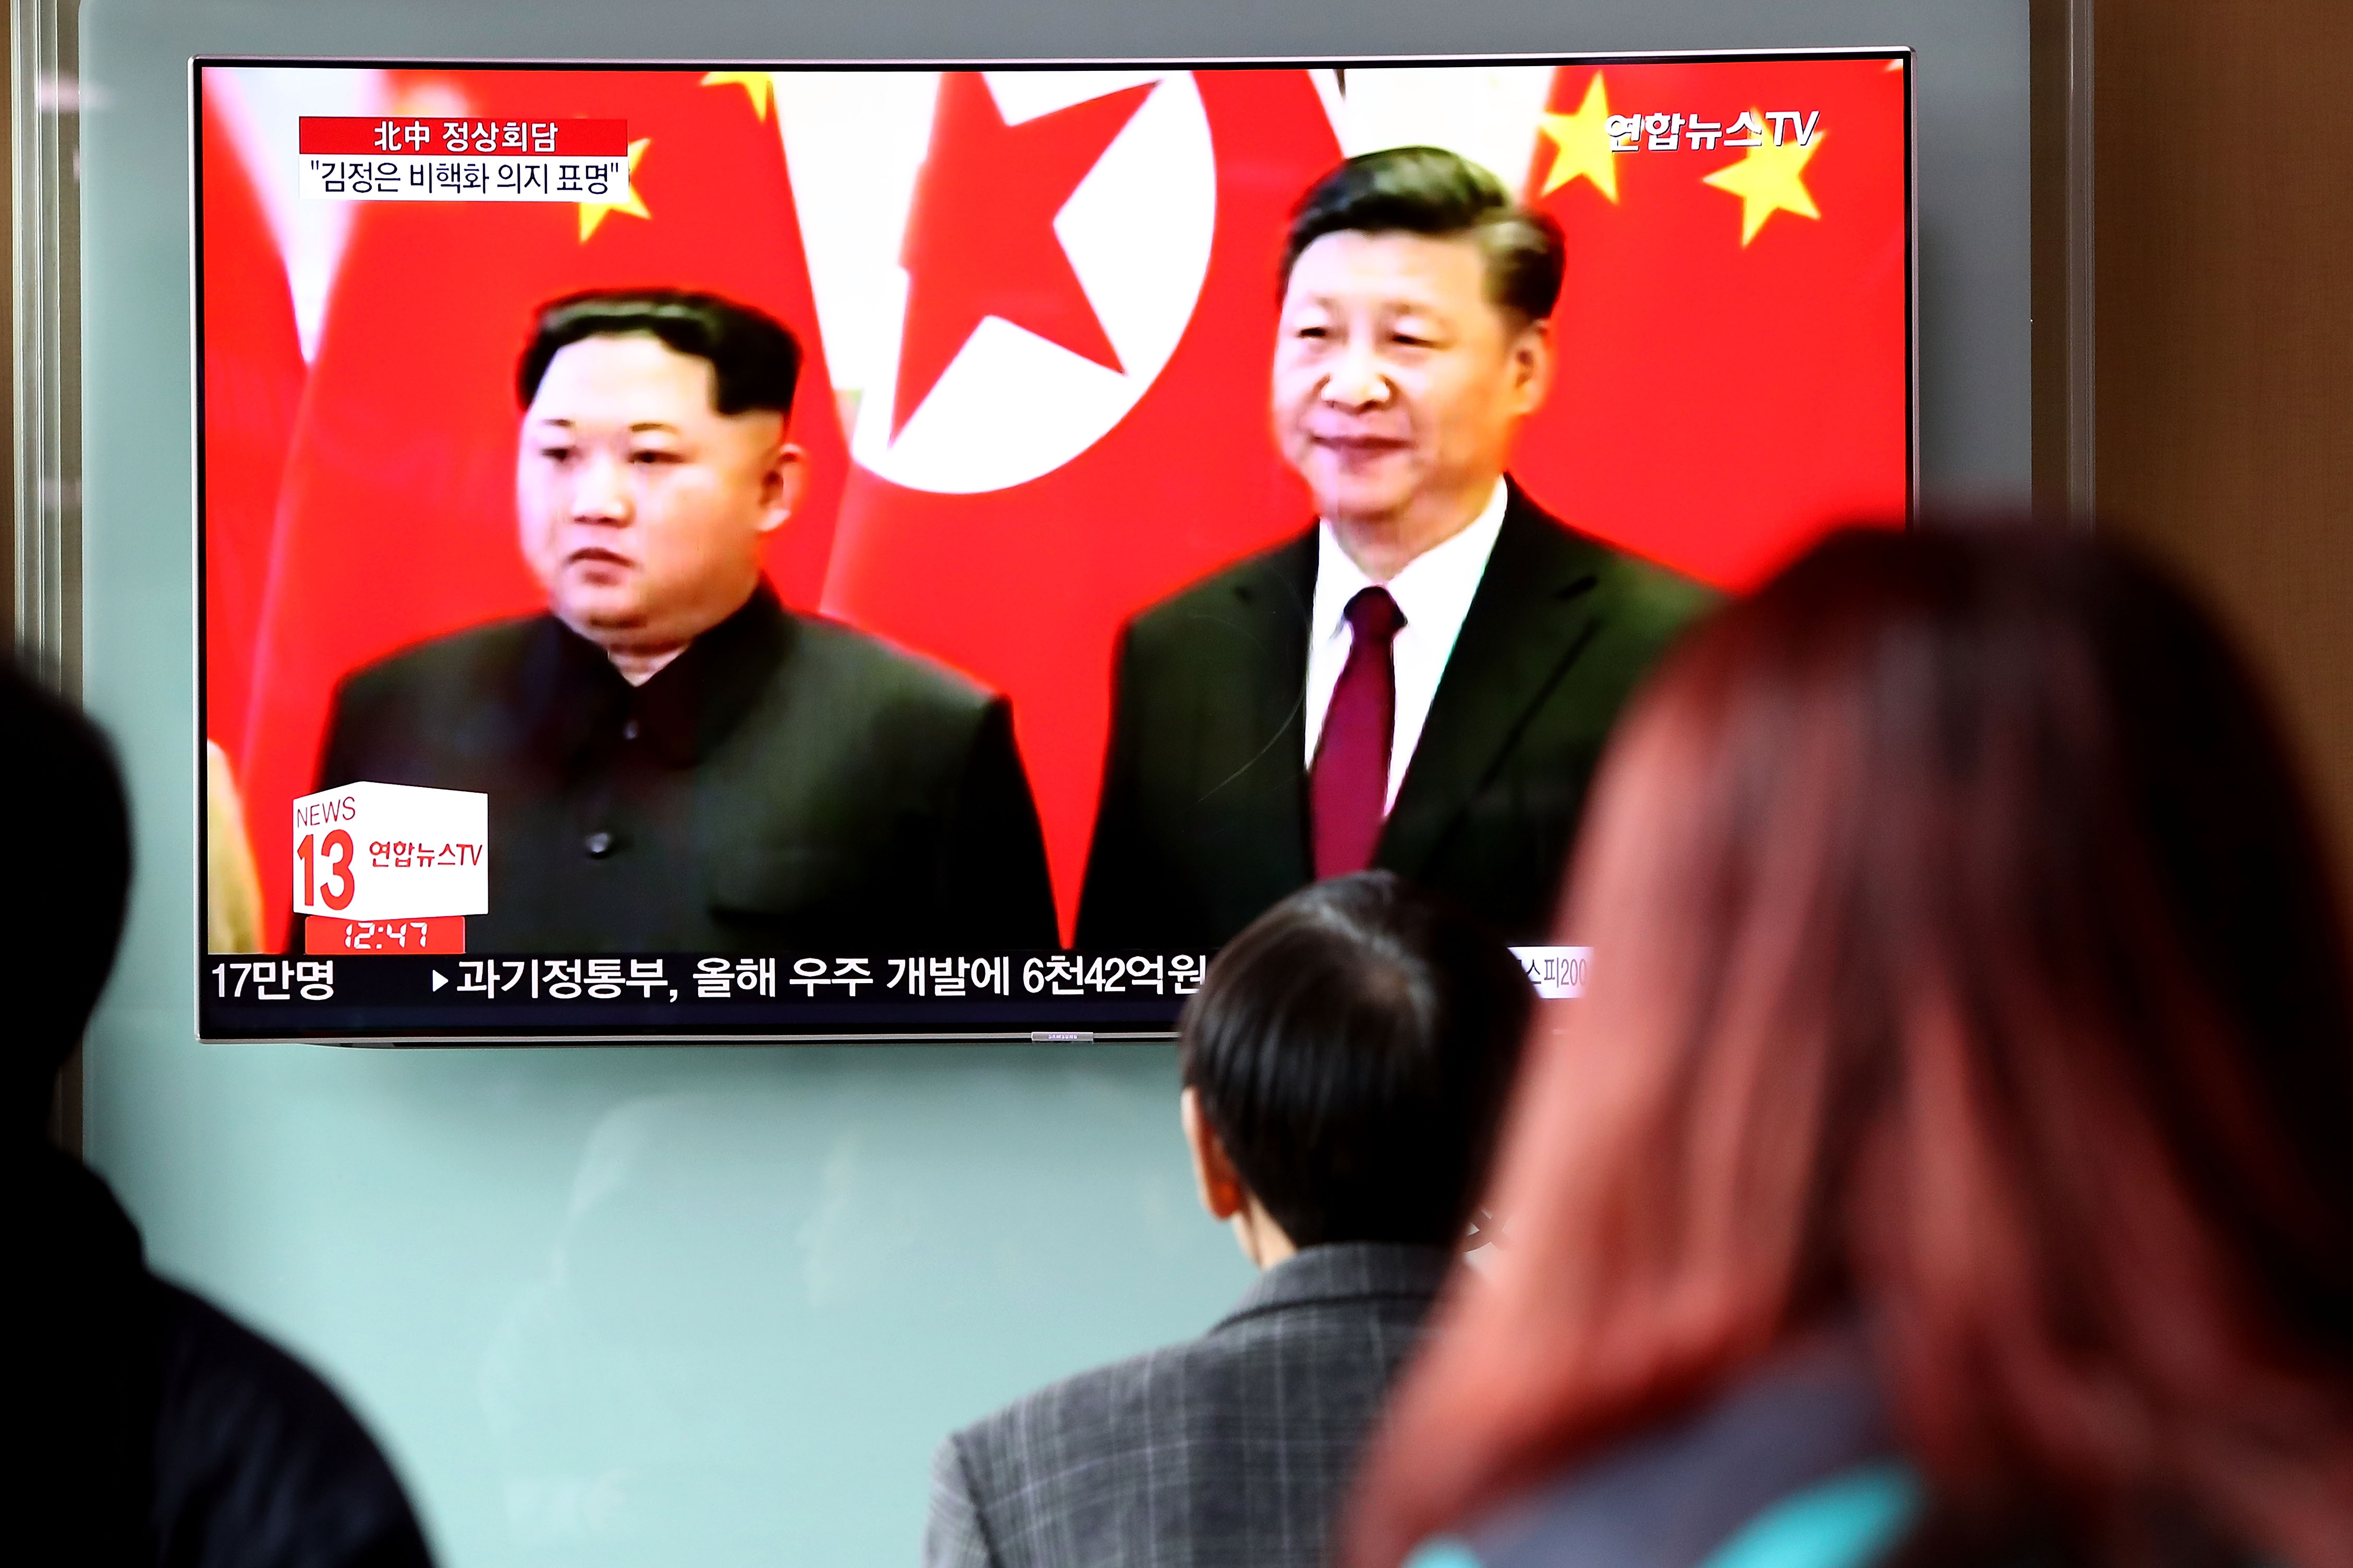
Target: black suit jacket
{"type": "Point", "coordinates": [785, 784]}
{"type": "Point", "coordinates": [1204, 823]}
{"type": "Point", "coordinates": [152, 1429]}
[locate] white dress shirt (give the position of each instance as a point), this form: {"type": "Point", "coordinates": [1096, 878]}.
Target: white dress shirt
{"type": "Point", "coordinates": [1434, 593]}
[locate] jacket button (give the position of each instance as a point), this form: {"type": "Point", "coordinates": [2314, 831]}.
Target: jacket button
{"type": "Point", "coordinates": [600, 845]}
{"type": "Point", "coordinates": [629, 730]}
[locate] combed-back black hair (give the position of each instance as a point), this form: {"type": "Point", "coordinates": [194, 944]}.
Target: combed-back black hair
{"type": "Point", "coordinates": [1428, 190]}
{"type": "Point", "coordinates": [1352, 1050]}
{"type": "Point", "coordinates": [754, 359]}
{"type": "Point", "coordinates": [73, 874]}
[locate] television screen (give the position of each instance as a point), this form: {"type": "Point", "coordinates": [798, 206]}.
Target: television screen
{"type": "Point", "coordinates": [901, 551]}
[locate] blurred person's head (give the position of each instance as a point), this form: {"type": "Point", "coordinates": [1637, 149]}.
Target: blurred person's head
{"type": "Point", "coordinates": [1414, 338]}
{"type": "Point", "coordinates": [1966, 969]}
{"type": "Point", "coordinates": [653, 463]}
{"type": "Point", "coordinates": [1345, 1062]}
{"type": "Point", "coordinates": [71, 874]}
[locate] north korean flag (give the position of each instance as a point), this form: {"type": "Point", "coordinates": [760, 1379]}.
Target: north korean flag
{"type": "Point", "coordinates": [397, 520]}
{"type": "Point", "coordinates": [1066, 415]}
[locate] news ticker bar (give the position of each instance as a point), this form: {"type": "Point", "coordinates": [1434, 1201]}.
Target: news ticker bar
{"type": "Point", "coordinates": [668, 978]}
{"type": "Point", "coordinates": [422, 997]}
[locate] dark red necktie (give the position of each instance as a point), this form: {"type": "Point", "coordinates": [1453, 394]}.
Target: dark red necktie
{"type": "Point", "coordinates": [1348, 789]}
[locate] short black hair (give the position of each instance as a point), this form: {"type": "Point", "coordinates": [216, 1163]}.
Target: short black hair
{"type": "Point", "coordinates": [1352, 1050]}
{"type": "Point", "coordinates": [754, 359]}
{"type": "Point", "coordinates": [1429, 190]}
{"type": "Point", "coordinates": [72, 875]}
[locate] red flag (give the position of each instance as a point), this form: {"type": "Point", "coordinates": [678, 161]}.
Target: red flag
{"type": "Point", "coordinates": [398, 522]}
{"type": "Point", "coordinates": [1085, 379]}
{"type": "Point", "coordinates": [1734, 337]}
{"type": "Point", "coordinates": [253, 385]}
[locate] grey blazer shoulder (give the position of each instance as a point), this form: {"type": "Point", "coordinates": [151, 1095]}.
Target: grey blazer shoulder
{"type": "Point", "coordinates": [1234, 1448]}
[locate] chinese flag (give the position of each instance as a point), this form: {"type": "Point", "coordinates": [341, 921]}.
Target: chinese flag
{"type": "Point", "coordinates": [1734, 364]}
{"type": "Point", "coordinates": [1023, 580]}
{"type": "Point", "coordinates": [397, 518]}
{"type": "Point", "coordinates": [253, 385]}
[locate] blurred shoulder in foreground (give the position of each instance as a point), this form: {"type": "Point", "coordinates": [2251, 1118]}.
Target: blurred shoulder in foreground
{"type": "Point", "coordinates": [151, 1427]}
{"type": "Point", "coordinates": [1945, 1167]}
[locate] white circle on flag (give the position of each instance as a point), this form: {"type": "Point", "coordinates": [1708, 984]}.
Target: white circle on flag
{"type": "Point", "coordinates": [1012, 405]}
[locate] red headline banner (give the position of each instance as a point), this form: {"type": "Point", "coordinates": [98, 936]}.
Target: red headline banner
{"type": "Point", "coordinates": [417, 136]}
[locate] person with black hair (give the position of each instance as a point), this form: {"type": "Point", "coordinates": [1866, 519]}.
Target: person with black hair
{"type": "Point", "coordinates": [674, 761]}
{"type": "Point", "coordinates": [1422, 680]}
{"type": "Point", "coordinates": [148, 1426]}
{"type": "Point", "coordinates": [1345, 1064]}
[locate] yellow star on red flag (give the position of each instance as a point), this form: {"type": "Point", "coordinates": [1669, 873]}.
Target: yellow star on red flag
{"type": "Point", "coordinates": [1769, 179]}
{"type": "Point", "coordinates": [592, 213]}
{"type": "Point", "coordinates": [1581, 144]}
{"type": "Point", "coordinates": [757, 83]}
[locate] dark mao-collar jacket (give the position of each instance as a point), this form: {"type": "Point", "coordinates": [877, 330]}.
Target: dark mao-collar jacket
{"type": "Point", "coordinates": [785, 784]}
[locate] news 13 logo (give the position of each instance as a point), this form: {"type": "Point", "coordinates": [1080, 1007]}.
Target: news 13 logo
{"type": "Point", "coordinates": [374, 859]}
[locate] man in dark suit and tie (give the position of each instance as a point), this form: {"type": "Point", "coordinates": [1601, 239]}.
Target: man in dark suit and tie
{"type": "Point", "coordinates": [1424, 680]}
{"type": "Point", "coordinates": [1345, 1065]}
{"type": "Point", "coordinates": [674, 761]}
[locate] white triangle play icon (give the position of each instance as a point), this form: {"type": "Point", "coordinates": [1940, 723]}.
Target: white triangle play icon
{"type": "Point", "coordinates": [439, 980]}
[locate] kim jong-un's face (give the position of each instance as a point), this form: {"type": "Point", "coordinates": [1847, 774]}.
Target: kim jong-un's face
{"type": "Point", "coordinates": [642, 508]}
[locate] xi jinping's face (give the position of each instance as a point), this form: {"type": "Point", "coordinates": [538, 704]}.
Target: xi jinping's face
{"type": "Point", "coordinates": [643, 508]}
{"type": "Point", "coordinates": [1397, 383]}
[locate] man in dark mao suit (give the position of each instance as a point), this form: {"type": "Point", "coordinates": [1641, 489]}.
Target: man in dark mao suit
{"type": "Point", "coordinates": [1424, 681]}
{"type": "Point", "coordinates": [675, 761]}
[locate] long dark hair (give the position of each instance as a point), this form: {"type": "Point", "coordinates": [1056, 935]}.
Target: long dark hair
{"type": "Point", "coordinates": [1965, 962]}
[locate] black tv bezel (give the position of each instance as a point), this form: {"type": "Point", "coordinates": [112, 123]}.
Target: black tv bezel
{"type": "Point", "coordinates": [1077, 1024]}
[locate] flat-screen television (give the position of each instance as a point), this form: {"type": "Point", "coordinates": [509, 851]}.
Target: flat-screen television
{"type": "Point", "coordinates": [778, 550]}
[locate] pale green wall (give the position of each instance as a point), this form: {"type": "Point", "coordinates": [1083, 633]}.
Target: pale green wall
{"type": "Point", "coordinates": [673, 1305]}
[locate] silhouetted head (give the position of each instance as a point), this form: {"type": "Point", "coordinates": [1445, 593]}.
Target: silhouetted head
{"type": "Point", "coordinates": [69, 877]}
